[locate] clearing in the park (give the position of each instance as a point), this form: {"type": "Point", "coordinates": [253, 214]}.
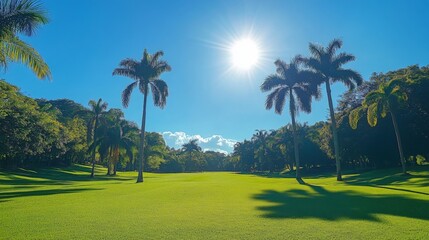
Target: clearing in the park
{"type": "Point", "coordinates": [66, 204]}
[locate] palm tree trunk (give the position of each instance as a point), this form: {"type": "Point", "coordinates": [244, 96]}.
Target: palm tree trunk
{"type": "Point", "coordinates": [295, 137]}
{"type": "Point", "coordinates": [142, 137]}
{"type": "Point", "coordinates": [334, 132]}
{"type": "Point", "coordinates": [109, 159]}
{"type": "Point", "coordinates": [93, 151]}
{"type": "Point", "coordinates": [398, 140]}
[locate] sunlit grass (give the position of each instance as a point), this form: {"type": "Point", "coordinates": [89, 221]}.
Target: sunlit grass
{"type": "Point", "coordinates": [66, 204]}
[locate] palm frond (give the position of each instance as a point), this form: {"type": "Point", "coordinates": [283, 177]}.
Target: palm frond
{"type": "Point", "coordinates": [161, 67]}
{"type": "Point", "coordinates": [21, 16]}
{"type": "Point", "coordinates": [342, 59]}
{"type": "Point", "coordinates": [372, 114]}
{"type": "Point", "coordinates": [126, 72]}
{"type": "Point", "coordinates": [12, 48]}
{"type": "Point", "coordinates": [372, 97]}
{"type": "Point", "coordinates": [271, 98]}
{"type": "Point", "coordinates": [156, 56]}
{"type": "Point", "coordinates": [316, 51]}
{"type": "Point", "coordinates": [280, 100]}
{"type": "Point", "coordinates": [126, 94]}
{"type": "Point", "coordinates": [349, 77]}
{"type": "Point", "coordinates": [333, 46]}
{"type": "Point", "coordinates": [282, 67]}
{"type": "Point", "coordinates": [272, 81]}
{"type": "Point", "coordinates": [159, 92]}
{"type": "Point", "coordinates": [304, 97]}
{"type": "Point", "coordinates": [354, 117]}
{"type": "Point", "coordinates": [129, 63]}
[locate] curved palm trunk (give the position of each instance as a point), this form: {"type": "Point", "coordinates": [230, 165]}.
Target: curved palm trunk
{"type": "Point", "coordinates": [398, 140]}
{"type": "Point", "coordinates": [93, 151]}
{"type": "Point", "coordinates": [334, 132]}
{"type": "Point", "coordinates": [295, 137]}
{"type": "Point", "coordinates": [142, 137]}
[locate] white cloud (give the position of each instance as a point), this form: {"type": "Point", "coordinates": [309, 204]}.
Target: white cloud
{"type": "Point", "coordinates": [213, 143]}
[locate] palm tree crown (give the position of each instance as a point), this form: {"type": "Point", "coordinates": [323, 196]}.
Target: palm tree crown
{"type": "Point", "coordinates": [191, 146]}
{"type": "Point", "coordinates": [145, 73]}
{"type": "Point", "coordinates": [328, 64]}
{"type": "Point", "coordinates": [290, 81]}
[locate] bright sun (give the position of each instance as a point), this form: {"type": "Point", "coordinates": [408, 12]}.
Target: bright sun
{"type": "Point", "coordinates": [244, 54]}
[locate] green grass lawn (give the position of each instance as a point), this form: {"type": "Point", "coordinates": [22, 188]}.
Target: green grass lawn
{"type": "Point", "coordinates": [65, 204]}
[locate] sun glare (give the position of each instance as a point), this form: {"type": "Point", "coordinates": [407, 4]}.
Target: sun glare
{"type": "Point", "coordinates": [245, 54]}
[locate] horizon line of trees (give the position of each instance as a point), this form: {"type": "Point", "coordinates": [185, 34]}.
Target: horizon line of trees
{"type": "Point", "coordinates": [61, 132]}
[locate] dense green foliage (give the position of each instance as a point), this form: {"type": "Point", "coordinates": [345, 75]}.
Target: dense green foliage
{"type": "Point", "coordinates": [65, 203]}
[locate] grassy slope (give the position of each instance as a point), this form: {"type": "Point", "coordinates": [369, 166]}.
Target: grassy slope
{"type": "Point", "coordinates": [64, 204]}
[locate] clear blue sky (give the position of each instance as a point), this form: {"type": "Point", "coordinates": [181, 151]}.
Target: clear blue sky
{"type": "Point", "coordinates": [85, 41]}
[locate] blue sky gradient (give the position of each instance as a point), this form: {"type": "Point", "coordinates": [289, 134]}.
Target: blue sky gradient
{"type": "Point", "coordinates": [85, 41]}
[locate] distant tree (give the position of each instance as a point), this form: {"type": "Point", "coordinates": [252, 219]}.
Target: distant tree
{"type": "Point", "coordinates": [21, 17]}
{"type": "Point", "coordinates": [295, 84]}
{"type": "Point", "coordinates": [382, 101]}
{"type": "Point", "coordinates": [328, 65]}
{"type": "Point", "coordinates": [97, 110]}
{"type": "Point", "coordinates": [245, 153]}
{"type": "Point", "coordinates": [145, 73]}
{"type": "Point", "coordinates": [191, 147]}
{"type": "Point", "coordinates": [259, 140]}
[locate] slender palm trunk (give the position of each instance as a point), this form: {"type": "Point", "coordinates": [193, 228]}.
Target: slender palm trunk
{"type": "Point", "coordinates": [295, 137]}
{"type": "Point", "coordinates": [109, 161]}
{"type": "Point", "coordinates": [93, 150]}
{"type": "Point", "coordinates": [398, 140]}
{"type": "Point", "coordinates": [334, 132]}
{"type": "Point", "coordinates": [142, 137]}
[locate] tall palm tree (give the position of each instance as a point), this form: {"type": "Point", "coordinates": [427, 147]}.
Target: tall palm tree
{"type": "Point", "coordinates": [145, 73]}
{"type": "Point", "coordinates": [291, 82]}
{"type": "Point", "coordinates": [21, 17]}
{"type": "Point", "coordinates": [97, 110]}
{"type": "Point", "coordinates": [190, 147]}
{"type": "Point", "coordinates": [385, 99]}
{"type": "Point", "coordinates": [328, 65]}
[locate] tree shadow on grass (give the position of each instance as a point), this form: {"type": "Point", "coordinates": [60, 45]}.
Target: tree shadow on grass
{"type": "Point", "coordinates": [317, 202]}
{"type": "Point", "coordinates": [53, 176]}
{"type": "Point", "coordinates": [418, 177]}
{"type": "Point", "coordinates": [10, 195]}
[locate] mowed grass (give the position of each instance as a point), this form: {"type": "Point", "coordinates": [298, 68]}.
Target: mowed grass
{"type": "Point", "coordinates": [66, 204]}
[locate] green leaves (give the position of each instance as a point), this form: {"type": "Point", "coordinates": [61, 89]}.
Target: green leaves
{"type": "Point", "coordinates": [372, 114]}
{"type": "Point", "coordinates": [380, 102]}
{"type": "Point", "coordinates": [354, 117]}
{"type": "Point", "coordinates": [13, 49]}
{"type": "Point", "coordinates": [21, 16]}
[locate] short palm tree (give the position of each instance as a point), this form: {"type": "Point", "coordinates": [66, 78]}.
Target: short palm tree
{"type": "Point", "coordinates": [97, 110]}
{"type": "Point", "coordinates": [190, 147]}
{"type": "Point", "coordinates": [328, 65]}
{"type": "Point", "coordinates": [21, 17]}
{"type": "Point", "coordinates": [295, 84]}
{"type": "Point", "coordinates": [260, 140]}
{"type": "Point", "coordinates": [385, 99]}
{"type": "Point", "coordinates": [145, 73]}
